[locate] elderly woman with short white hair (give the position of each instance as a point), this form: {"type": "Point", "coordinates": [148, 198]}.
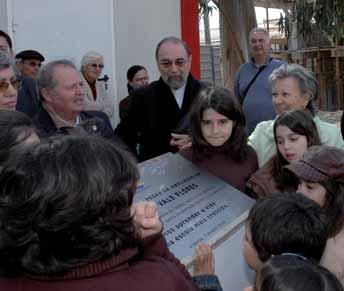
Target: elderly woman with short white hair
{"type": "Point", "coordinates": [293, 88]}
{"type": "Point", "coordinates": [96, 95]}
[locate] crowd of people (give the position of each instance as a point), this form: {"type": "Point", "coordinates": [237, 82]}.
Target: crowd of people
{"type": "Point", "coordinates": [67, 216]}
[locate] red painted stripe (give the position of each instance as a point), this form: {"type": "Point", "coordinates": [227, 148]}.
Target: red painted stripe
{"type": "Point", "coordinates": [190, 33]}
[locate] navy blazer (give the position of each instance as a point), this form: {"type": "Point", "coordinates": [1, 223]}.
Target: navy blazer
{"type": "Point", "coordinates": [46, 126]}
{"type": "Point", "coordinates": [153, 115]}
{"type": "Point", "coordinates": [28, 101]}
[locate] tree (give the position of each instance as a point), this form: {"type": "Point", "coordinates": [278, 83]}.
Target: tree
{"type": "Point", "coordinates": [237, 18]}
{"type": "Point", "coordinates": [205, 9]}
{"type": "Point", "coordinates": [326, 17]}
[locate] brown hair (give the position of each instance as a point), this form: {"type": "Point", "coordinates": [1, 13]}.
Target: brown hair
{"type": "Point", "coordinates": [224, 102]}
{"type": "Point", "coordinates": [300, 122]}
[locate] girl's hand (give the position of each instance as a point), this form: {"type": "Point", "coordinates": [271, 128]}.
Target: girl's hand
{"type": "Point", "coordinates": [146, 217]}
{"type": "Point", "coordinates": [204, 263]}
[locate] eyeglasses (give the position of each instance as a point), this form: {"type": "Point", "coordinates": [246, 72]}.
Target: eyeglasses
{"type": "Point", "coordinates": [100, 66]}
{"type": "Point", "coordinates": [4, 84]}
{"type": "Point", "coordinates": [33, 64]}
{"type": "Point", "coordinates": [169, 63]}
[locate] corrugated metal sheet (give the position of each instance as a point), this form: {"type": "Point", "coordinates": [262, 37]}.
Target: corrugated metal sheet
{"type": "Point", "coordinates": [211, 64]}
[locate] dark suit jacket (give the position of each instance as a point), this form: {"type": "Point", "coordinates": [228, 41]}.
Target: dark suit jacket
{"type": "Point", "coordinates": [28, 101]}
{"type": "Point", "coordinates": [153, 115]}
{"type": "Point", "coordinates": [46, 127]}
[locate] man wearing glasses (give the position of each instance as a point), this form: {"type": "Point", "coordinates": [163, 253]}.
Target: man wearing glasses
{"type": "Point", "coordinates": [156, 119]}
{"type": "Point", "coordinates": [29, 63]}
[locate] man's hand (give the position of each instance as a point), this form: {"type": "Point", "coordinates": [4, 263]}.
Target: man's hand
{"type": "Point", "coordinates": [146, 217]}
{"type": "Point", "coordinates": [181, 141]}
{"type": "Point", "coordinates": [204, 263]}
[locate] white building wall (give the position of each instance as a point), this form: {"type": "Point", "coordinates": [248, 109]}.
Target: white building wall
{"type": "Point", "coordinates": [3, 15]}
{"type": "Point", "coordinates": [124, 31]}
{"type": "Point", "coordinates": [139, 26]}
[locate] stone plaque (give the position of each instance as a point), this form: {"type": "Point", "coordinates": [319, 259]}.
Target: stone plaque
{"type": "Point", "coordinates": [193, 205]}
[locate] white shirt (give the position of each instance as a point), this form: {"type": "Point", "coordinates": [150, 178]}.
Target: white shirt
{"type": "Point", "coordinates": [179, 95]}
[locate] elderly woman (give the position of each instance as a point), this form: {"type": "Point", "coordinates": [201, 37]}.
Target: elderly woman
{"type": "Point", "coordinates": [96, 95]}
{"type": "Point", "coordinates": [9, 84]}
{"type": "Point", "coordinates": [293, 88]}
{"type": "Point", "coordinates": [67, 222]}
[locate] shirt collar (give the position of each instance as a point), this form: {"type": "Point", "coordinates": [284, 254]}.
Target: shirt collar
{"type": "Point", "coordinates": [59, 121]}
{"type": "Point", "coordinates": [179, 95]}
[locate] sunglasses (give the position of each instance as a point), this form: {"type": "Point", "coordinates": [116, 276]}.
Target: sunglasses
{"type": "Point", "coordinates": [33, 64]}
{"type": "Point", "coordinates": [4, 84]}
{"type": "Point", "coordinates": [100, 66]}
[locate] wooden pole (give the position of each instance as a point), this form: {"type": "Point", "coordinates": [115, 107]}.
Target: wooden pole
{"type": "Point", "coordinates": [338, 77]}
{"type": "Point", "coordinates": [318, 74]}
{"type": "Point", "coordinates": [267, 20]}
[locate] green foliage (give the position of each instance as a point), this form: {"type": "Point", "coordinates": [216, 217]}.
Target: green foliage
{"type": "Point", "coordinates": [207, 7]}
{"type": "Point", "coordinates": [324, 15]}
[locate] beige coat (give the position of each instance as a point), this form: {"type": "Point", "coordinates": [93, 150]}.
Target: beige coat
{"type": "Point", "coordinates": [333, 257]}
{"type": "Point", "coordinates": [103, 102]}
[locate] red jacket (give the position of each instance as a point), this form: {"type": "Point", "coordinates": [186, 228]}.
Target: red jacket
{"type": "Point", "coordinates": [156, 269]}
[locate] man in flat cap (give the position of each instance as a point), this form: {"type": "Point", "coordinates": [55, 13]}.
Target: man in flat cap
{"type": "Point", "coordinates": [29, 62]}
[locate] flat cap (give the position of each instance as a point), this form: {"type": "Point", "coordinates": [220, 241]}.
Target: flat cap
{"type": "Point", "coordinates": [320, 163]}
{"type": "Point", "coordinates": [30, 55]}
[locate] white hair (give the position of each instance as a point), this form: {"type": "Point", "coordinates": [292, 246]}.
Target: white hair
{"type": "Point", "coordinates": [90, 57]}
{"type": "Point", "coordinates": [259, 29]}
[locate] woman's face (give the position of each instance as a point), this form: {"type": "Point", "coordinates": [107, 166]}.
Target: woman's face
{"type": "Point", "coordinates": [291, 145]}
{"type": "Point", "coordinates": [314, 191]}
{"type": "Point", "coordinates": [287, 95]}
{"type": "Point", "coordinates": [8, 89]}
{"type": "Point", "coordinates": [93, 70]}
{"type": "Point", "coordinates": [140, 79]}
{"type": "Point", "coordinates": [216, 128]}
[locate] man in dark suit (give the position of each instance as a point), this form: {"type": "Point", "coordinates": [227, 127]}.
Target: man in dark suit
{"type": "Point", "coordinates": [28, 64]}
{"type": "Point", "coordinates": [28, 101]}
{"type": "Point", "coordinates": [62, 95]}
{"type": "Point", "coordinates": [156, 120]}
